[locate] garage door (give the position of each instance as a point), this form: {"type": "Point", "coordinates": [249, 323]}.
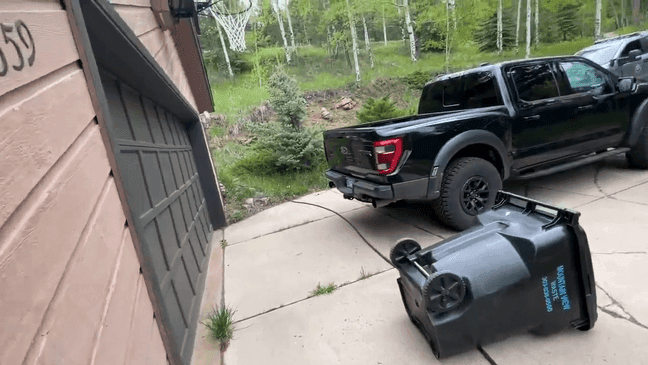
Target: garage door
{"type": "Point", "coordinates": [158, 171]}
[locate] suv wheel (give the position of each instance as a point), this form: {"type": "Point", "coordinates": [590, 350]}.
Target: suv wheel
{"type": "Point", "coordinates": [469, 188]}
{"type": "Point", "coordinates": [638, 155]}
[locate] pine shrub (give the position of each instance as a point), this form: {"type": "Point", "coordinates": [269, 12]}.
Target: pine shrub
{"type": "Point", "coordinates": [286, 98]}
{"type": "Point", "coordinates": [281, 148]}
{"type": "Point", "coordinates": [379, 109]}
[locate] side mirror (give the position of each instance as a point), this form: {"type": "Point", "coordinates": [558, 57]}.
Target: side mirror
{"type": "Point", "coordinates": [612, 63]}
{"type": "Point", "coordinates": [626, 85]}
{"type": "Point", "coordinates": [634, 54]}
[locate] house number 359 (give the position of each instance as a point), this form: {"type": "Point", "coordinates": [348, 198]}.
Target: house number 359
{"type": "Point", "coordinates": [27, 41]}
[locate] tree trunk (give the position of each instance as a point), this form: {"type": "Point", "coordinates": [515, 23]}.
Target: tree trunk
{"type": "Point", "coordinates": [283, 31]}
{"type": "Point", "coordinates": [410, 31]}
{"type": "Point", "coordinates": [597, 20]}
{"type": "Point", "coordinates": [404, 38]}
{"type": "Point", "coordinates": [454, 13]}
{"type": "Point", "coordinates": [220, 34]}
{"type": "Point", "coordinates": [384, 25]}
{"type": "Point", "coordinates": [635, 11]}
{"type": "Point", "coordinates": [528, 29]}
{"type": "Point", "coordinates": [499, 27]}
{"type": "Point", "coordinates": [517, 26]}
{"type": "Point", "coordinates": [292, 34]}
{"type": "Point", "coordinates": [256, 52]}
{"type": "Point", "coordinates": [447, 45]}
{"type": "Point", "coordinates": [306, 32]}
{"type": "Point", "coordinates": [537, 23]}
{"type": "Point", "coordinates": [367, 43]}
{"type": "Point", "coordinates": [617, 20]}
{"type": "Point", "coordinates": [624, 18]}
{"type": "Point", "coordinates": [354, 39]}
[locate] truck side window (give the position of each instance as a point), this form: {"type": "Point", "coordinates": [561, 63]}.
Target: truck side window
{"type": "Point", "coordinates": [631, 46]}
{"type": "Point", "coordinates": [644, 44]}
{"type": "Point", "coordinates": [584, 78]}
{"type": "Point", "coordinates": [431, 99]}
{"type": "Point", "coordinates": [534, 82]}
{"type": "Point", "coordinates": [481, 91]}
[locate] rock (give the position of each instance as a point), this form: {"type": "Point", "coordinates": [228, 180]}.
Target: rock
{"type": "Point", "coordinates": [222, 190]}
{"type": "Point", "coordinates": [207, 119]}
{"type": "Point", "coordinates": [249, 201]}
{"type": "Point", "coordinates": [262, 114]}
{"type": "Point", "coordinates": [326, 114]}
{"type": "Point", "coordinates": [346, 104]}
{"type": "Point", "coordinates": [350, 105]}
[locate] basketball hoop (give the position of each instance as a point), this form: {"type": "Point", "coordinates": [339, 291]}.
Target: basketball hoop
{"type": "Point", "coordinates": [233, 23]}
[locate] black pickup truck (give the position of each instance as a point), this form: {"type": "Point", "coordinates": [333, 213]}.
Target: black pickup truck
{"type": "Point", "coordinates": [474, 129]}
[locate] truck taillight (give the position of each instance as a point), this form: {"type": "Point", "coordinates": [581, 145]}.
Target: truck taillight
{"type": "Point", "coordinates": [388, 153]}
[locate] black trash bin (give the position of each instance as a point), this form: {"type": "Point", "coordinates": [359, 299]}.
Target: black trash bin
{"type": "Point", "coordinates": [527, 268]}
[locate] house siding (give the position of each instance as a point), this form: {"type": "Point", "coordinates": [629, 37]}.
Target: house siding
{"type": "Point", "coordinates": [139, 16]}
{"type": "Point", "coordinates": [71, 289]}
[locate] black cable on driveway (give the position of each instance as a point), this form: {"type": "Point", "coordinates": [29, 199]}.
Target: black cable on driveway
{"type": "Point", "coordinates": [352, 226]}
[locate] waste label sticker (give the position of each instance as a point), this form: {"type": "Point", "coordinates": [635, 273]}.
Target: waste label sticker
{"type": "Point", "coordinates": [555, 291]}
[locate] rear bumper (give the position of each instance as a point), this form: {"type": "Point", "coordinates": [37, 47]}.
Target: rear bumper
{"type": "Point", "coordinates": [361, 189]}
{"type": "Point", "coordinates": [367, 191]}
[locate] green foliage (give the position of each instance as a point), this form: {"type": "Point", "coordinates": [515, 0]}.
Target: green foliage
{"type": "Point", "coordinates": [379, 109]}
{"type": "Point", "coordinates": [566, 21]}
{"type": "Point", "coordinates": [286, 98]}
{"type": "Point", "coordinates": [486, 35]}
{"type": "Point", "coordinates": [417, 79]}
{"type": "Point", "coordinates": [431, 36]}
{"type": "Point", "coordinates": [321, 290]}
{"type": "Point", "coordinates": [281, 148]}
{"type": "Point", "coordinates": [218, 131]}
{"type": "Point", "coordinates": [220, 324]}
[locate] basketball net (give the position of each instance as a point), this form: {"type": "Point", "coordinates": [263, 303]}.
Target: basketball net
{"type": "Point", "coordinates": [234, 24]}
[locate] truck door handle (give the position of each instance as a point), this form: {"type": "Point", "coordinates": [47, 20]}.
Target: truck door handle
{"type": "Point", "coordinates": [586, 107]}
{"type": "Point", "coordinates": [531, 117]}
{"type": "Point", "coordinates": [603, 97]}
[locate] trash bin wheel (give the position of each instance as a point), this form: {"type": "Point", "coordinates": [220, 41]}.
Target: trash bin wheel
{"type": "Point", "coordinates": [443, 291]}
{"type": "Point", "coordinates": [403, 248]}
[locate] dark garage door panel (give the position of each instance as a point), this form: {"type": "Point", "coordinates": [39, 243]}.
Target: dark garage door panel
{"type": "Point", "coordinates": [164, 193]}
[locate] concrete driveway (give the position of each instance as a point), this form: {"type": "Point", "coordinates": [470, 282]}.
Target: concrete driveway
{"type": "Point", "coordinates": [274, 260]}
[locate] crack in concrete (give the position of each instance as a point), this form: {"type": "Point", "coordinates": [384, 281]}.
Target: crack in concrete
{"type": "Point", "coordinates": [415, 226]}
{"type": "Point", "coordinates": [346, 283]}
{"type": "Point", "coordinates": [596, 181]}
{"type": "Point", "coordinates": [287, 228]}
{"type": "Point", "coordinates": [630, 318]}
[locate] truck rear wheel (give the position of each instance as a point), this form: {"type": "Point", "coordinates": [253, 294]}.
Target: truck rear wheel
{"type": "Point", "coordinates": [469, 188]}
{"type": "Point", "coordinates": [638, 155]}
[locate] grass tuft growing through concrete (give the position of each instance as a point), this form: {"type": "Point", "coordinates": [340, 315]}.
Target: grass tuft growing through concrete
{"type": "Point", "coordinates": [223, 243]}
{"type": "Point", "coordinates": [320, 290]}
{"type": "Point", "coordinates": [220, 325]}
{"type": "Point", "coordinates": [365, 274]}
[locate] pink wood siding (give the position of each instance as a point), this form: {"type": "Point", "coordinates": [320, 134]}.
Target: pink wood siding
{"type": "Point", "coordinates": [139, 17]}
{"type": "Point", "coordinates": [71, 291]}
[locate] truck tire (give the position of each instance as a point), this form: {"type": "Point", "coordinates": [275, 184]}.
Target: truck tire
{"type": "Point", "coordinates": [469, 187]}
{"type": "Point", "coordinates": [638, 155]}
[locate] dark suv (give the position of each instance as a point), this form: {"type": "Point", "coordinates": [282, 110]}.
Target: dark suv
{"type": "Point", "coordinates": [624, 56]}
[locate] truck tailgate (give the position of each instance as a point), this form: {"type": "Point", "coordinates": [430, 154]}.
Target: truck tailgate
{"type": "Point", "coordinates": [349, 151]}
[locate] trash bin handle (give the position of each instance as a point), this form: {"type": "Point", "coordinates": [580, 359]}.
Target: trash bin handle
{"type": "Point", "coordinates": [563, 214]}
